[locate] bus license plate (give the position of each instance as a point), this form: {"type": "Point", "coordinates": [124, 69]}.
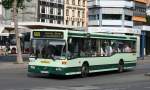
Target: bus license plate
{"type": "Point", "coordinates": [44, 72]}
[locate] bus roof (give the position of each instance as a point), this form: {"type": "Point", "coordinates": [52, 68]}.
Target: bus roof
{"type": "Point", "coordinates": [76, 33]}
{"type": "Point", "coordinates": [4, 34]}
{"type": "Point", "coordinates": [102, 35]}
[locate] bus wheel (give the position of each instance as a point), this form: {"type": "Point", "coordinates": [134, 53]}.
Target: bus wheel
{"type": "Point", "coordinates": [121, 67]}
{"type": "Point", "coordinates": [84, 70]}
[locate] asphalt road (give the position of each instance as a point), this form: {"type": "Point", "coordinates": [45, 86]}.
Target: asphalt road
{"type": "Point", "coordinates": [17, 79]}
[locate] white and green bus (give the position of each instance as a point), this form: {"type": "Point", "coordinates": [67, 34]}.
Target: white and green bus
{"type": "Point", "coordinates": [64, 52]}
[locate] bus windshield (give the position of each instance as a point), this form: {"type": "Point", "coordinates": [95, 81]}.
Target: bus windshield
{"type": "Point", "coordinates": [48, 49]}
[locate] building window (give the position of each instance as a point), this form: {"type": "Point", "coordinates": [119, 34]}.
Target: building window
{"type": "Point", "coordinates": [43, 9]}
{"type": "Point", "coordinates": [73, 13]}
{"type": "Point", "coordinates": [60, 1]}
{"type": "Point", "coordinates": [67, 12]}
{"type": "Point", "coordinates": [67, 1]}
{"type": "Point", "coordinates": [140, 9]}
{"type": "Point", "coordinates": [73, 2]}
{"type": "Point", "coordinates": [82, 24]}
{"type": "Point", "coordinates": [67, 22]}
{"type": "Point", "coordinates": [42, 20]}
{"type": "Point", "coordinates": [79, 2]}
{"type": "Point", "coordinates": [78, 13]}
{"type": "Point", "coordinates": [83, 3]}
{"type": "Point", "coordinates": [51, 10]}
{"type": "Point", "coordinates": [78, 23]}
{"type": "Point", "coordinates": [112, 16]}
{"type": "Point", "coordinates": [51, 1]}
{"type": "Point", "coordinates": [93, 17]}
{"type": "Point", "coordinates": [58, 22]}
{"type": "Point", "coordinates": [97, 16]}
{"type": "Point", "coordinates": [127, 17]}
{"type": "Point", "coordinates": [51, 21]}
{"type": "Point", "coordinates": [83, 14]}
{"type": "Point", "coordinates": [72, 23]}
{"type": "Point", "coordinates": [59, 11]}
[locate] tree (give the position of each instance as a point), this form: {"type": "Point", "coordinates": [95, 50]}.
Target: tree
{"type": "Point", "coordinates": [15, 5]}
{"type": "Point", "coordinates": [147, 20]}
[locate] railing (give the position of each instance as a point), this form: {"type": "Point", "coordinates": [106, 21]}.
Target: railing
{"type": "Point", "coordinates": [93, 22]}
{"type": "Point", "coordinates": [127, 4]}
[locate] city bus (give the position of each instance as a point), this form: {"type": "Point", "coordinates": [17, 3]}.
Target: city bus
{"type": "Point", "coordinates": [9, 41]}
{"type": "Point", "coordinates": [66, 52]}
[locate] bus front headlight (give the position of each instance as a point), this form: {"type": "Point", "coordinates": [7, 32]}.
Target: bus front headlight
{"type": "Point", "coordinates": [58, 69]}
{"type": "Point", "coordinates": [32, 67]}
{"type": "Point", "coordinates": [31, 59]}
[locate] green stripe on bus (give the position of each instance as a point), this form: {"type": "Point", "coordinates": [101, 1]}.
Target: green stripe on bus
{"type": "Point", "coordinates": [99, 36]}
{"type": "Point", "coordinates": [52, 70]}
{"type": "Point", "coordinates": [118, 37]}
{"type": "Point", "coordinates": [77, 34]}
{"type": "Point", "coordinates": [133, 38]}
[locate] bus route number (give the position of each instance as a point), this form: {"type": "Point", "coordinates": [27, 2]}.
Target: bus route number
{"type": "Point", "coordinates": [37, 34]}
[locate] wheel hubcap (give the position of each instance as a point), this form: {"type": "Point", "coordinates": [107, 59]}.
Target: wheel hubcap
{"type": "Point", "coordinates": [120, 68]}
{"type": "Point", "coordinates": [84, 71]}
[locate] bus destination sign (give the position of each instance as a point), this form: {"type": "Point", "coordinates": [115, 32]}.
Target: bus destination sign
{"type": "Point", "coordinates": [47, 34]}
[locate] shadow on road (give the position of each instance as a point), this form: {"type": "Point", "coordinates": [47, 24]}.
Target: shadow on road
{"type": "Point", "coordinates": [11, 58]}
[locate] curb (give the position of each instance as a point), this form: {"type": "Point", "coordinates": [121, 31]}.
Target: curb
{"type": "Point", "coordinates": [147, 74]}
{"type": "Point", "coordinates": [12, 65]}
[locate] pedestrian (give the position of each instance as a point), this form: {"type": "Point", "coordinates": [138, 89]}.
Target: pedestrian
{"type": "Point", "coordinates": [127, 48]}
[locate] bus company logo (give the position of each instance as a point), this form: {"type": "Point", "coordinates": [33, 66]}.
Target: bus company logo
{"type": "Point", "coordinates": [45, 62]}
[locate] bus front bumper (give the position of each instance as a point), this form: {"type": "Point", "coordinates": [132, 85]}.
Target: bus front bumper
{"type": "Point", "coordinates": [46, 70]}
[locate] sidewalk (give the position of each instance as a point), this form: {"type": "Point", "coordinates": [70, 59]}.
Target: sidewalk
{"type": "Point", "coordinates": [12, 65]}
{"type": "Point", "coordinates": [8, 62]}
{"type": "Point", "coordinates": [146, 60]}
{"type": "Point", "coordinates": [12, 58]}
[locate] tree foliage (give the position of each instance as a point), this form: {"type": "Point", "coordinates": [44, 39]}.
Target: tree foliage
{"type": "Point", "coordinates": [7, 4]}
{"type": "Point", "coordinates": [15, 5]}
{"type": "Point", "coordinates": [148, 20]}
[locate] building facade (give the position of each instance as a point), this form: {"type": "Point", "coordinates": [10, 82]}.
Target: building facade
{"type": "Point", "coordinates": [70, 13]}
{"type": "Point", "coordinates": [75, 13]}
{"type": "Point", "coordinates": [121, 16]}
{"type": "Point", "coordinates": [51, 11]}
{"type": "Point", "coordinates": [46, 11]}
{"type": "Point", "coordinates": [116, 16]}
{"type": "Point", "coordinates": [145, 36]}
{"type": "Point", "coordinates": [139, 16]}
{"type": "Point", "coordinates": [110, 16]}
{"type": "Point", "coordinates": [139, 19]}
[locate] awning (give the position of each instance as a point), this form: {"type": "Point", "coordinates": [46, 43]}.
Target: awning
{"type": "Point", "coordinates": [141, 1]}
{"type": "Point", "coordinates": [139, 19]}
{"type": "Point", "coordinates": [4, 34]}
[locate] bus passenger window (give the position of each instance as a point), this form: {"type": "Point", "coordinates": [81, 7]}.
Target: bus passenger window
{"type": "Point", "coordinates": [114, 46]}
{"type": "Point", "coordinates": [120, 46]}
{"type": "Point", "coordinates": [82, 53]}
{"type": "Point", "coordinates": [108, 50]}
{"type": "Point", "coordinates": [127, 48]}
{"type": "Point", "coordinates": [102, 52]}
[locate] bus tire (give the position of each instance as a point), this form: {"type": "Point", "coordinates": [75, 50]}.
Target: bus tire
{"type": "Point", "coordinates": [84, 70]}
{"type": "Point", "coordinates": [121, 66]}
